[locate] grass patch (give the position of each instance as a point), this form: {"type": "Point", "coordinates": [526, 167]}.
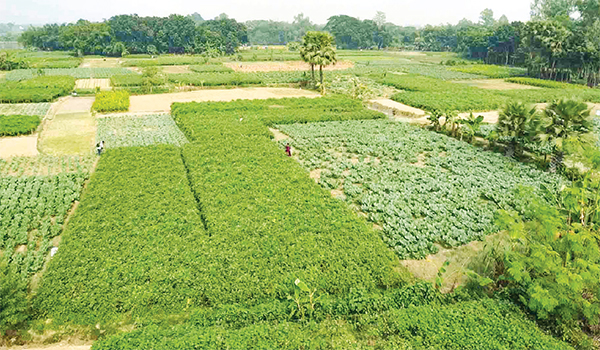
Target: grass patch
{"type": "Point", "coordinates": [551, 84]}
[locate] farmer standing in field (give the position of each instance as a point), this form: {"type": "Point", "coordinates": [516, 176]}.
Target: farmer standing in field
{"type": "Point", "coordinates": [288, 149]}
{"type": "Point", "coordinates": [100, 147]}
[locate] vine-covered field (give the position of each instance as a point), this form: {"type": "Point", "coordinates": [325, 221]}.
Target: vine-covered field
{"type": "Point", "coordinates": [421, 187]}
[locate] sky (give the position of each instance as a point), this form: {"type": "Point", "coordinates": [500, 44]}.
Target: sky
{"type": "Point", "coordinates": [400, 12]}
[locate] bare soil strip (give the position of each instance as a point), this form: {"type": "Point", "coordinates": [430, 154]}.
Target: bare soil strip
{"type": "Point", "coordinates": [162, 102]}
{"type": "Point", "coordinates": [282, 66]}
{"type": "Point", "coordinates": [19, 146]}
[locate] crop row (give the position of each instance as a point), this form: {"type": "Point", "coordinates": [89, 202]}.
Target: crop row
{"type": "Point", "coordinates": [139, 130]}
{"type": "Point", "coordinates": [434, 94]}
{"type": "Point", "coordinates": [491, 71]}
{"type": "Point", "coordinates": [165, 61]}
{"type": "Point", "coordinates": [111, 101]}
{"type": "Point", "coordinates": [551, 84]}
{"type": "Point", "coordinates": [421, 187]}
{"type": "Point", "coordinates": [13, 125]}
{"type": "Point", "coordinates": [78, 73]}
{"type": "Point", "coordinates": [44, 165]}
{"type": "Point", "coordinates": [468, 325]}
{"type": "Point", "coordinates": [33, 212]}
{"type": "Point", "coordinates": [40, 109]}
{"type": "Point", "coordinates": [39, 89]}
{"type": "Point", "coordinates": [215, 79]}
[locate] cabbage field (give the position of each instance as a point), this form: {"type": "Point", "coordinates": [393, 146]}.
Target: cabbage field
{"type": "Point", "coordinates": [40, 109]}
{"type": "Point", "coordinates": [421, 187]}
{"type": "Point", "coordinates": [139, 130]}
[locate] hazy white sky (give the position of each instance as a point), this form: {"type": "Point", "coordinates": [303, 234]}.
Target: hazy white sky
{"type": "Point", "coordinates": [401, 12]}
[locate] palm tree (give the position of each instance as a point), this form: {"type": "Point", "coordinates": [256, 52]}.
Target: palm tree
{"type": "Point", "coordinates": [565, 119]}
{"type": "Point", "coordinates": [317, 50]}
{"type": "Point", "coordinates": [516, 122]}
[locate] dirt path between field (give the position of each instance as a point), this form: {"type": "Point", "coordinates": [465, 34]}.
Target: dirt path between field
{"type": "Point", "coordinates": [59, 346]}
{"type": "Point", "coordinates": [287, 66]}
{"type": "Point", "coordinates": [162, 102]}
{"type": "Point", "coordinates": [18, 146]}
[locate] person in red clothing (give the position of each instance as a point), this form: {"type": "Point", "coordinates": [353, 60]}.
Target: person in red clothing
{"type": "Point", "coordinates": [288, 149]}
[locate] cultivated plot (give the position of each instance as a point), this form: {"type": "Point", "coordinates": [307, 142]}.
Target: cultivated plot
{"type": "Point", "coordinates": [421, 187]}
{"type": "Point", "coordinates": [138, 130]}
{"type": "Point", "coordinates": [40, 109]}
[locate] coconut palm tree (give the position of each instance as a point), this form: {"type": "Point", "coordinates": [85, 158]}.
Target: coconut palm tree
{"type": "Point", "coordinates": [317, 50]}
{"type": "Point", "coordinates": [565, 119]}
{"type": "Point", "coordinates": [516, 122]}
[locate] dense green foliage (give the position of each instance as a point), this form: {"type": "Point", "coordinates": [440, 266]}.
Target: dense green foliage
{"type": "Point", "coordinates": [133, 245]}
{"type": "Point", "coordinates": [13, 125]}
{"type": "Point", "coordinates": [140, 130]}
{"type": "Point", "coordinates": [40, 109]}
{"type": "Point", "coordinates": [469, 325]}
{"type": "Point", "coordinates": [490, 70]}
{"type": "Point", "coordinates": [77, 73]}
{"type": "Point", "coordinates": [211, 68]}
{"type": "Point", "coordinates": [165, 61]}
{"type": "Point", "coordinates": [433, 94]}
{"type": "Point", "coordinates": [544, 83]}
{"type": "Point", "coordinates": [126, 80]}
{"type": "Point", "coordinates": [124, 34]}
{"type": "Point", "coordinates": [280, 111]}
{"type": "Point", "coordinates": [111, 101]}
{"type": "Point", "coordinates": [33, 211]}
{"type": "Point", "coordinates": [421, 187]}
{"type": "Point", "coordinates": [215, 79]}
{"type": "Point", "coordinates": [13, 300]}
{"type": "Point", "coordinates": [40, 89]}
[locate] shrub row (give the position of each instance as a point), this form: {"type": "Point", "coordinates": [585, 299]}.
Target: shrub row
{"type": "Point", "coordinates": [40, 89]}
{"type": "Point", "coordinates": [470, 325]}
{"type": "Point", "coordinates": [111, 101]}
{"type": "Point", "coordinates": [126, 80]}
{"type": "Point", "coordinates": [215, 79]}
{"type": "Point", "coordinates": [551, 84]}
{"type": "Point", "coordinates": [12, 125]}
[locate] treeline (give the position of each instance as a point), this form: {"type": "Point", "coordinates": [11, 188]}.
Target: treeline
{"type": "Point", "coordinates": [131, 34]}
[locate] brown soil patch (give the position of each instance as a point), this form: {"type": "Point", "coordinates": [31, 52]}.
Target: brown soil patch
{"type": "Point", "coordinates": [282, 66]}
{"type": "Point", "coordinates": [394, 108]}
{"type": "Point", "coordinates": [176, 69]}
{"type": "Point", "coordinates": [495, 84]}
{"type": "Point", "coordinates": [100, 63]}
{"type": "Point", "coordinates": [278, 134]}
{"type": "Point", "coordinates": [162, 102]}
{"type": "Point", "coordinates": [69, 134]}
{"type": "Point", "coordinates": [459, 258]}
{"type": "Point", "coordinates": [59, 346]}
{"type": "Point", "coordinates": [103, 84]}
{"type": "Point", "coordinates": [21, 249]}
{"type": "Point", "coordinates": [421, 158]}
{"type": "Point", "coordinates": [24, 146]}
{"type": "Point", "coordinates": [315, 175]}
{"type": "Point", "coordinates": [75, 104]}
{"type": "Point", "coordinates": [488, 117]}
{"type": "Point", "coordinates": [338, 194]}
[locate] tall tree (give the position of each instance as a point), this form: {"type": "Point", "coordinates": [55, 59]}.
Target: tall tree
{"type": "Point", "coordinates": [486, 18]}
{"type": "Point", "coordinates": [317, 50]}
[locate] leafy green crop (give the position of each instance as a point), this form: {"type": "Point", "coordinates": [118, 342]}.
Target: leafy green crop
{"type": "Point", "coordinates": [491, 71]}
{"type": "Point", "coordinates": [423, 188]}
{"type": "Point", "coordinates": [78, 73]}
{"type": "Point", "coordinates": [111, 101]}
{"type": "Point", "coordinates": [139, 130]}
{"type": "Point", "coordinates": [40, 89]}
{"type": "Point", "coordinates": [40, 109]}
{"type": "Point", "coordinates": [545, 83]}
{"type": "Point", "coordinates": [13, 125]}
{"type": "Point", "coordinates": [215, 79]}
{"type": "Point", "coordinates": [33, 212]}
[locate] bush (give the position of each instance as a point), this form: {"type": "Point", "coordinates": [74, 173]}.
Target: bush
{"type": "Point", "coordinates": [111, 101]}
{"type": "Point", "coordinates": [13, 125]}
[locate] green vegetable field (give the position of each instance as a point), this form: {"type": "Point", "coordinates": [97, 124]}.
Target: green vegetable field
{"type": "Point", "coordinates": [423, 188]}
{"type": "Point", "coordinates": [139, 130]}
